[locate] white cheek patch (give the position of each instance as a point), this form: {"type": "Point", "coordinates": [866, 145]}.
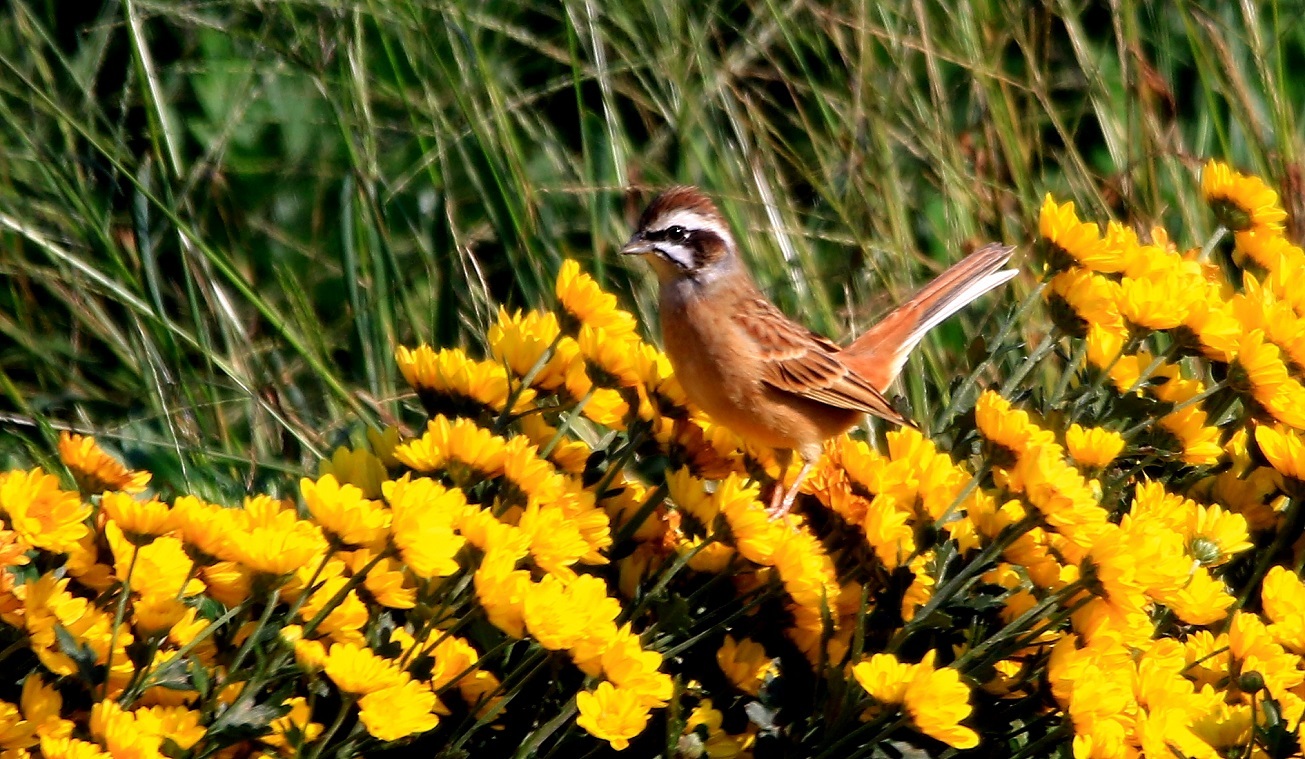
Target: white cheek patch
{"type": "Point", "coordinates": [678, 254]}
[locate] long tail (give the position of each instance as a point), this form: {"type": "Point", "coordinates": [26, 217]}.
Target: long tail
{"type": "Point", "coordinates": [880, 353]}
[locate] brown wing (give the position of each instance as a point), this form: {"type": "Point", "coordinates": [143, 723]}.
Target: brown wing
{"type": "Point", "coordinates": [801, 362]}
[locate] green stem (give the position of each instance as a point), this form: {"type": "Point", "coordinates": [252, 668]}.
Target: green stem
{"type": "Point", "coordinates": [346, 705]}
{"type": "Point", "coordinates": [340, 594]}
{"type": "Point", "coordinates": [117, 617]}
{"type": "Point", "coordinates": [970, 570]}
{"type": "Point", "coordinates": [253, 637]}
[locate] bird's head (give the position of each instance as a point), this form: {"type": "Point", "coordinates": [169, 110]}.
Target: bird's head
{"type": "Point", "coordinates": [683, 236]}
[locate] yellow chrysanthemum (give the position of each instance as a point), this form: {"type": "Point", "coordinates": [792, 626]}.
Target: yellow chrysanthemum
{"type": "Point", "coordinates": [449, 382]}
{"type": "Point", "coordinates": [358, 467]}
{"type": "Point", "coordinates": [522, 341]}
{"type": "Point", "coordinates": [1011, 429]}
{"type": "Point", "coordinates": [343, 511]}
{"type": "Point", "coordinates": [745, 663]}
{"type": "Point", "coordinates": [162, 566]}
{"type": "Point", "coordinates": [43, 514]}
{"type": "Point", "coordinates": [1258, 371]}
{"type": "Point", "coordinates": [468, 452]}
{"type": "Point", "coordinates": [399, 711]}
{"type": "Point", "coordinates": [1240, 202]}
{"type": "Point", "coordinates": [1093, 446]}
{"type": "Point", "coordinates": [635, 669]}
{"type": "Point", "coordinates": [883, 677]}
{"type": "Point", "coordinates": [1079, 299]}
{"type": "Point", "coordinates": [1271, 251]}
{"type": "Point", "coordinates": [206, 528]}
{"type": "Point", "coordinates": [1283, 597]}
{"type": "Point", "coordinates": [1060, 226]}
{"type": "Point", "coordinates": [937, 701]}
{"type": "Point", "coordinates": [295, 728]}
{"type": "Point", "coordinates": [584, 302]}
{"type": "Point", "coordinates": [95, 470]}
{"type": "Point", "coordinates": [280, 548]}
{"type": "Point", "coordinates": [139, 520]}
{"type": "Point", "coordinates": [1284, 449]}
{"type": "Point", "coordinates": [611, 714]}
{"type": "Point", "coordinates": [357, 670]}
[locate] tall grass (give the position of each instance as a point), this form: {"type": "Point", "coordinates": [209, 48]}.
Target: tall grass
{"type": "Point", "coordinates": [217, 219]}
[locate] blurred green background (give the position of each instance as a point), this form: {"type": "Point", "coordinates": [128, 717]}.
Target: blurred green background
{"type": "Point", "coordinates": [217, 219]}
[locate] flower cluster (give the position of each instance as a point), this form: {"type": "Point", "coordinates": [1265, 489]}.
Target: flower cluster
{"type": "Point", "coordinates": [560, 554]}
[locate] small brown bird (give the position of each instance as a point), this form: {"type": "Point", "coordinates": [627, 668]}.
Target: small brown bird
{"type": "Point", "coordinates": [771, 380]}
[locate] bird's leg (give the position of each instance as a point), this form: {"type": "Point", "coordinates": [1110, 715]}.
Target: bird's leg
{"type": "Point", "coordinates": [778, 510]}
{"type": "Point", "coordinates": [784, 458]}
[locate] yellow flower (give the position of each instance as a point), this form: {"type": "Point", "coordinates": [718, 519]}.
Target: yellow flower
{"type": "Point", "coordinates": [636, 670]}
{"type": "Point", "coordinates": [558, 614]}
{"type": "Point", "coordinates": [343, 511]}
{"type": "Point", "coordinates": [345, 618]}
{"type": "Point", "coordinates": [584, 302]}
{"type": "Point", "coordinates": [555, 540]}
{"type": "Point", "coordinates": [355, 669]}
{"type": "Point", "coordinates": [468, 452]}
{"type": "Point", "coordinates": [502, 590]}
{"type": "Point", "coordinates": [71, 748]}
{"type": "Point", "coordinates": [1259, 371]}
{"type": "Point", "coordinates": [41, 513]}
{"type": "Point", "coordinates": [1271, 251]}
{"type": "Point", "coordinates": [1215, 535]}
{"type": "Point", "coordinates": [279, 548]}
{"type": "Point", "coordinates": [227, 582]}
{"type": "Point", "coordinates": [522, 341]}
{"type": "Point", "coordinates": [805, 569]}
{"type": "Point", "coordinates": [96, 471]}
{"type": "Point", "coordinates": [1060, 226]}
{"type": "Point", "coordinates": [360, 468]}
{"type": "Point", "coordinates": [1200, 441]}
{"type": "Point", "coordinates": [1283, 596]}
{"type": "Point", "coordinates": [937, 701]}
{"type": "Point", "coordinates": [1093, 447]}
{"type": "Point", "coordinates": [295, 729]}
{"type": "Point", "coordinates": [448, 382]}
{"type": "Point", "coordinates": [1079, 299]}
{"type": "Point", "coordinates": [141, 521]}
{"type": "Point", "coordinates": [424, 513]}
{"type": "Point", "coordinates": [1284, 449]}
{"type": "Point", "coordinates": [205, 528]}
{"type": "Point", "coordinates": [1240, 202]}
{"type": "Point", "coordinates": [883, 677]}
{"type": "Point", "coordinates": [611, 361]}
{"type": "Point", "coordinates": [162, 566]}
{"type": "Point", "coordinates": [399, 711]}
{"type": "Point", "coordinates": [1157, 302]}
{"type": "Point", "coordinates": [745, 663]}
{"type": "Point", "coordinates": [1011, 429]}
{"type": "Point", "coordinates": [611, 714]}
{"type": "Point", "coordinates": [156, 614]}
{"type": "Point", "coordinates": [309, 653]}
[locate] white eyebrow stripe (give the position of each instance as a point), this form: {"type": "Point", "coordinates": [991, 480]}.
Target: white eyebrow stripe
{"type": "Point", "coordinates": [688, 219]}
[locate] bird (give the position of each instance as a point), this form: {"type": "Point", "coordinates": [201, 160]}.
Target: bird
{"type": "Point", "coordinates": [771, 380]}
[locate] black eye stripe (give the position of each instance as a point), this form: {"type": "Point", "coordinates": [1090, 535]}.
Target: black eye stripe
{"type": "Point", "coordinates": [674, 233]}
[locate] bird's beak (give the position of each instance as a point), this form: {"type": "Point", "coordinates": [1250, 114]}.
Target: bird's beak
{"type": "Point", "coordinates": [637, 246]}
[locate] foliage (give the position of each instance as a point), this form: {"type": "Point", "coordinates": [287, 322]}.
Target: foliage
{"type": "Point", "coordinates": [572, 556]}
{"type": "Point", "coordinates": [220, 217]}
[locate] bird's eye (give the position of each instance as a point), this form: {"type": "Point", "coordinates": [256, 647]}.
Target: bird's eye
{"type": "Point", "coordinates": [677, 233]}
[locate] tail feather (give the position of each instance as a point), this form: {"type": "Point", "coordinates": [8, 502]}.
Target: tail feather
{"type": "Point", "coordinates": [879, 354]}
